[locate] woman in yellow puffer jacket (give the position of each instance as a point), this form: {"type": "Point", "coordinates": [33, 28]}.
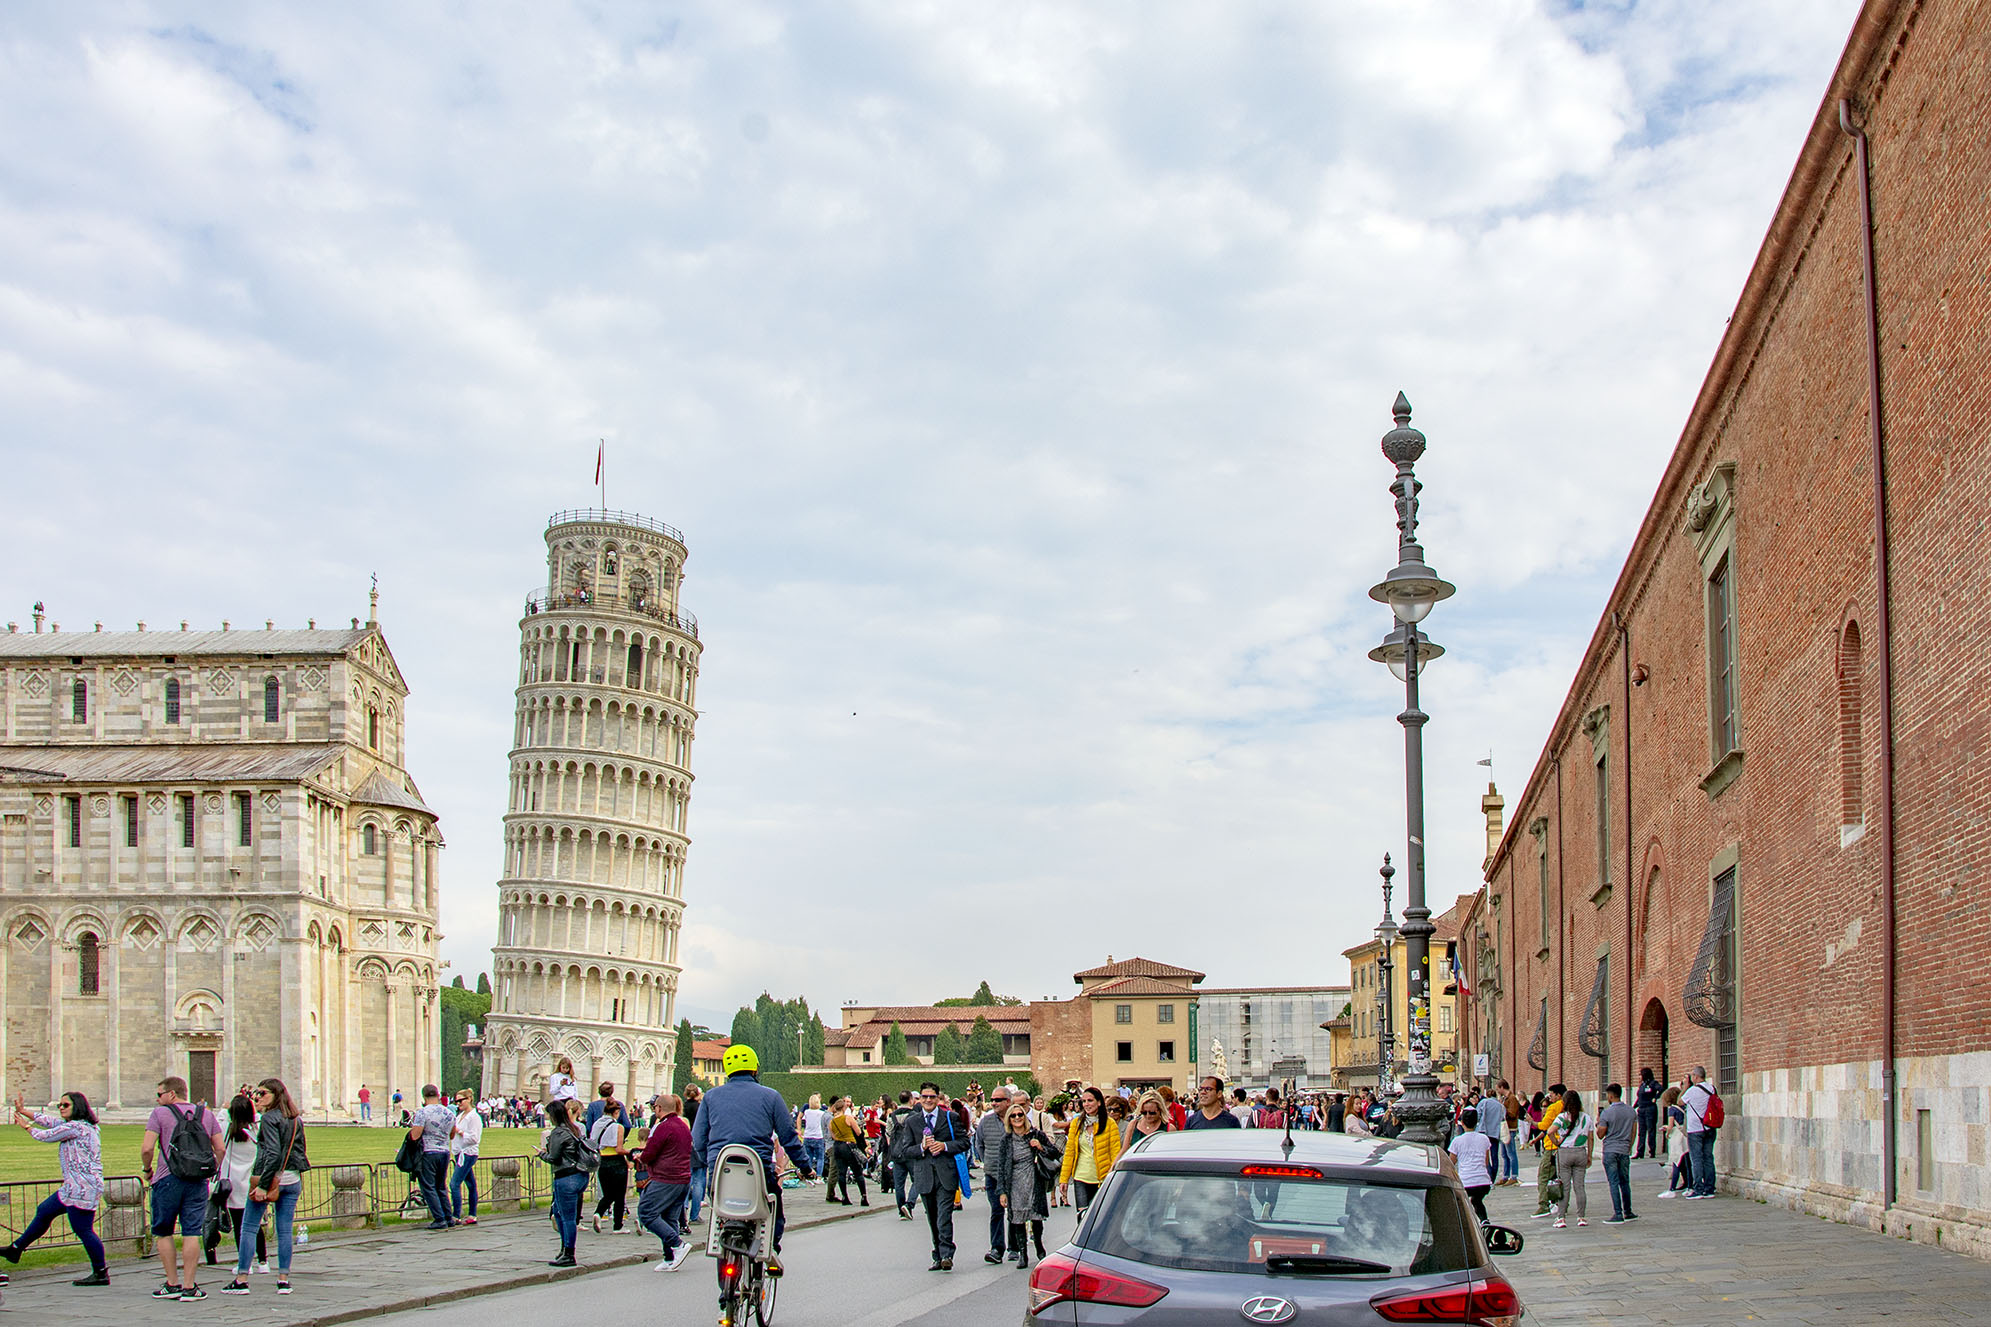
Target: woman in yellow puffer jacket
{"type": "Point", "coordinates": [1091, 1147]}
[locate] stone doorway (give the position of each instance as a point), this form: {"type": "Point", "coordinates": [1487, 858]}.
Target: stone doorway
{"type": "Point", "coordinates": [200, 1076]}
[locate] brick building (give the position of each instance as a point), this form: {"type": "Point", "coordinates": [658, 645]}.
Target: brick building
{"type": "Point", "coordinates": [1757, 836]}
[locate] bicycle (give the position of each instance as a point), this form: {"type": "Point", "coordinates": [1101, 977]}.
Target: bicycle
{"type": "Point", "coordinates": [741, 1221]}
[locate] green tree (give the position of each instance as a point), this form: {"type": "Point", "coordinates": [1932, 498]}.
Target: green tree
{"type": "Point", "coordinates": [983, 998]}
{"type": "Point", "coordinates": [459, 1009]}
{"type": "Point", "coordinates": [746, 1030]}
{"type": "Point", "coordinates": [950, 1046]}
{"type": "Point", "coordinates": [681, 1063]}
{"type": "Point", "coordinates": [483, 983]}
{"type": "Point", "coordinates": [895, 1046]}
{"type": "Point", "coordinates": [815, 1039]}
{"type": "Point", "coordinates": [984, 1042]}
{"type": "Point", "coordinates": [457, 981]}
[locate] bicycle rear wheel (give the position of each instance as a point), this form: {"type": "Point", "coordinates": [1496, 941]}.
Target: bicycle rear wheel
{"type": "Point", "coordinates": [764, 1288]}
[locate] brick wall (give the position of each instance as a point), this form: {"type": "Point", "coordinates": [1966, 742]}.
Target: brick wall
{"type": "Point", "coordinates": [1061, 1041]}
{"type": "Point", "coordinates": [1786, 405]}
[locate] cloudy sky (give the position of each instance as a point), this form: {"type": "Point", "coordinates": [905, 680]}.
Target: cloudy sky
{"type": "Point", "coordinates": [1015, 372]}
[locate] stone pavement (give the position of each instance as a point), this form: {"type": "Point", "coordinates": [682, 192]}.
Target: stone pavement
{"type": "Point", "coordinates": [362, 1274]}
{"type": "Point", "coordinates": [1725, 1260]}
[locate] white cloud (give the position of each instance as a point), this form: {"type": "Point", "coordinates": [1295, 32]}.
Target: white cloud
{"type": "Point", "coordinates": [1016, 374]}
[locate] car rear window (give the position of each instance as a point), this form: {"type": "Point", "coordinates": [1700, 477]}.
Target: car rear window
{"type": "Point", "coordinates": [1225, 1223]}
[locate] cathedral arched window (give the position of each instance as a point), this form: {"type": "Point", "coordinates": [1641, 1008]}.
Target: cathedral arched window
{"type": "Point", "coordinates": [369, 840]}
{"type": "Point", "coordinates": [87, 957]}
{"type": "Point", "coordinates": [272, 699]}
{"type": "Point", "coordinates": [79, 701]}
{"type": "Point", "coordinates": [172, 700]}
{"type": "Point", "coordinates": [373, 729]}
{"type": "Point", "coordinates": [608, 563]}
{"type": "Point", "coordinates": [634, 672]}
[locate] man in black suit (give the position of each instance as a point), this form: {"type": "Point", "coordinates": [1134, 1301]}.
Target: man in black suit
{"type": "Point", "coordinates": [928, 1142]}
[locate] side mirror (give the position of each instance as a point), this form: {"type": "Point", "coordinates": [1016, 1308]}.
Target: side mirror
{"type": "Point", "coordinates": [1502, 1239]}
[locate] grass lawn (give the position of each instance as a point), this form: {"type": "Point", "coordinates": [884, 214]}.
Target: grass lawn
{"type": "Point", "coordinates": [22, 1158]}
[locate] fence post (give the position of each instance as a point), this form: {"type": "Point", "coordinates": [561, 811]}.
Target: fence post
{"type": "Point", "coordinates": [352, 1208]}
{"type": "Point", "coordinates": [126, 1215]}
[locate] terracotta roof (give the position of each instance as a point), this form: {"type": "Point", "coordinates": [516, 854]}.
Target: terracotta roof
{"type": "Point", "coordinates": [710, 1050]}
{"type": "Point", "coordinates": [1140, 986]}
{"type": "Point", "coordinates": [863, 1038]}
{"type": "Point", "coordinates": [926, 1013]}
{"type": "Point", "coordinates": [837, 1036]}
{"type": "Point", "coordinates": [1138, 967]}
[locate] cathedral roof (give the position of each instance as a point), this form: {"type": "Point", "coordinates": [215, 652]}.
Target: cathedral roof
{"type": "Point", "coordinates": [383, 789]}
{"type": "Point", "coordinates": [129, 644]}
{"type": "Point", "coordinates": [175, 763]}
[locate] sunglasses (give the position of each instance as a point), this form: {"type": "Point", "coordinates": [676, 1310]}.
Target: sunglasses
{"type": "Point", "coordinates": [1150, 1111]}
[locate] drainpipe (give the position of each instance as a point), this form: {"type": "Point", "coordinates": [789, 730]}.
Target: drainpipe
{"type": "Point", "coordinates": [1631, 882]}
{"type": "Point", "coordinates": [1559, 1000]}
{"type": "Point", "coordinates": [1890, 1133]}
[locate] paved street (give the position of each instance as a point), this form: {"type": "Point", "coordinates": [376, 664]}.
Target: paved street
{"type": "Point", "coordinates": [1706, 1264]}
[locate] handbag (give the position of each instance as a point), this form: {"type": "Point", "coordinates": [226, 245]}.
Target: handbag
{"type": "Point", "coordinates": [409, 1159]}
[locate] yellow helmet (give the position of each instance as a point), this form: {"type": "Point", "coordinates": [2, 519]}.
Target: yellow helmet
{"type": "Point", "coordinates": [738, 1058]}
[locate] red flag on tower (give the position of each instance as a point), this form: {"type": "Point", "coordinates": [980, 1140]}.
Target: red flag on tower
{"type": "Point", "coordinates": [599, 452]}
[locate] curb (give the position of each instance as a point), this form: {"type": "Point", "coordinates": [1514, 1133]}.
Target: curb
{"type": "Point", "coordinates": [544, 1276]}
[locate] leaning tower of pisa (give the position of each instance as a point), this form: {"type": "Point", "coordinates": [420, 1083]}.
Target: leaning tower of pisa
{"type": "Point", "coordinates": [592, 893]}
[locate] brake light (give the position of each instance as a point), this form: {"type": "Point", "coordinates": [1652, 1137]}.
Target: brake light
{"type": "Point", "coordinates": [729, 1270]}
{"type": "Point", "coordinates": [1282, 1172]}
{"type": "Point", "coordinates": [1487, 1302]}
{"type": "Point", "coordinates": [1058, 1278]}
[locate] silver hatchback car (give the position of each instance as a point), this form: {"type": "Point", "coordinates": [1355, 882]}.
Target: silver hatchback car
{"type": "Point", "coordinates": [1319, 1230]}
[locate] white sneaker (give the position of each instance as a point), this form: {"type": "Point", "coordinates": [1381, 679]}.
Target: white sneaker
{"type": "Point", "coordinates": [678, 1257]}
{"type": "Point", "coordinates": [1666, 1193]}
{"type": "Point", "coordinates": [261, 1269]}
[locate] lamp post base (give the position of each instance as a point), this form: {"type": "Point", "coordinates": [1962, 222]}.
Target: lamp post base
{"type": "Point", "coordinates": [1425, 1118]}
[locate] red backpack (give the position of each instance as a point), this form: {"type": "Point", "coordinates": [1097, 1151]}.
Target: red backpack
{"type": "Point", "coordinates": [1268, 1117]}
{"type": "Point", "coordinates": [1713, 1115]}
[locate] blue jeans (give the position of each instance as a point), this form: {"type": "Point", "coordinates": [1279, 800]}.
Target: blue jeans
{"type": "Point", "coordinates": [82, 1220]}
{"type": "Point", "coordinates": [365, 1111]}
{"type": "Point", "coordinates": [697, 1190]}
{"type": "Point", "coordinates": [567, 1190]}
{"type": "Point", "coordinates": [998, 1216]}
{"type": "Point", "coordinates": [659, 1210]}
{"type": "Point", "coordinates": [252, 1219]}
{"type": "Point", "coordinates": [434, 1179]}
{"type": "Point", "coordinates": [1700, 1154]}
{"type": "Point", "coordinates": [1618, 1175]}
{"type": "Point", "coordinates": [1511, 1149]}
{"type": "Point", "coordinates": [815, 1150]}
{"type": "Point", "coordinates": [465, 1172]}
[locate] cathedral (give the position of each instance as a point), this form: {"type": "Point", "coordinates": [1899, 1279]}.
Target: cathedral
{"type": "Point", "coordinates": [214, 865]}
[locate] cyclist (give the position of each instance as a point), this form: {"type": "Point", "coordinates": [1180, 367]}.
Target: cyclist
{"type": "Point", "coordinates": [742, 1111]}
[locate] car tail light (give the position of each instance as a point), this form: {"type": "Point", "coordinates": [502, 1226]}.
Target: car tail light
{"type": "Point", "coordinates": [1486, 1302]}
{"type": "Point", "coordinates": [1059, 1278]}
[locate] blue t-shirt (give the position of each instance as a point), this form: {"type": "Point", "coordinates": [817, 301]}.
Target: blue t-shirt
{"type": "Point", "coordinates": [1224, 1120]}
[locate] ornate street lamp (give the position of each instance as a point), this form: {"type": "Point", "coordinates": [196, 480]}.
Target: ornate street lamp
{"type": "Point", "coordinates": [1411, 590]}
{"type": "Point", "coordinates": [1385, 960]}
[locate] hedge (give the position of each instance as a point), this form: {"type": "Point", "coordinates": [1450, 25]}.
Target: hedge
{"type": "Point", "coordinates": [869, 1086]}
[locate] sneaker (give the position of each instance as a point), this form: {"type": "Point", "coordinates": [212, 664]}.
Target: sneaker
{"type": "Point", "coordinates": [195, 1293]}
{"type": "Point", "coordinates": [679, 1256]}
{"type": "Point", "coordinates": [1631, 1216]}
{"type": "Point", "coordinates": [1610, 1221]}
{"type": "Point", "coordinates": [100, 1277]}
{"type": "Point", "coordinates": [235, 1288]}
{"type": "Point", "coordinates": [1536, 1216]}
{"type": "Point", "coordinates": [1666, 1193]}
{"type": "Point", "coordinates": [597, 1225]}
{"type": "Point", "coordinates": [1560, 1223]}
{"type": "Point", "coordinates": [167, 1291]}
{"type": "Point", "coordinates": [283, 1285]}
{"type": "Point", "coordinates": [262, 1268]}
{"type": "Point", "coordinates": [1581, 1222]}
{"type": "Point", "coordinates": [469, 1220]}
{"type": "Point", "coordinates": [992, 1258]}
{"type": "Point", "coordinates": [1692, 1196]}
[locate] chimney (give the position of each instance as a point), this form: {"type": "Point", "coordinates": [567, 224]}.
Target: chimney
{"type": "Point", "coordinates": [1492, 806]}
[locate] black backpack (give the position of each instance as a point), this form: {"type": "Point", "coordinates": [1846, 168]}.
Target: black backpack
{"type": "Point", "coordinates": [189, 1152]}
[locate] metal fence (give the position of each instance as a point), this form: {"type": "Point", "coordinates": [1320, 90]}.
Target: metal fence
{"type": "Point", "coordinates": [358, 1196]}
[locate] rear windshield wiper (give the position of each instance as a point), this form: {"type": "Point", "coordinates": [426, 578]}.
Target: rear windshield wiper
{"type": "Point", "coordinates": [1293, 1263]}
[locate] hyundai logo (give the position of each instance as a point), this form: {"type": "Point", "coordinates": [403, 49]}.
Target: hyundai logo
{"type": "Point", "coordinates": [1267, 1308]}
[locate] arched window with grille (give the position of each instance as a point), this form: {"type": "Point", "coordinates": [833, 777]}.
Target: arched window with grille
{"type": "Point", "coordinates": [373, 729]}
{"type": "Point", "coordinates": [272, 700]}
{"type": "Point", "coordinates": [172, 700]}
{"type": "Point", "coordinates": [87, 964]}
{"type": "Point", "coordinates": [369, 840]}
{"type": "Point", "coordinates": [633, 674]}
{"type": "Point", "coordinates": [79, 701]}
{"type": "Point", "coordinates": [1852, 799]}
